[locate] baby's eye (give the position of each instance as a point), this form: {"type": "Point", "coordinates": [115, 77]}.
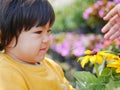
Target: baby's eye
{"type": "Point", "coordinates": [49, 31]}
{"type": "Point", "coordinates": [38, 32]}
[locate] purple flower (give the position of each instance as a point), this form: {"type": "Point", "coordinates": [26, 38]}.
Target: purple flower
{"type": "Point", "coordinates": [102, 12]}
{"type": "Point", "coordinates": [84, 40]}
{"type": "Point", "coordinates": [65, 52]}
{"type": "Point", "coordinates": [96, 5]}
{"type": "Point", "coordinates": [91, 37]}
{"type": "Point", "coordinates": [98, 46]}
{"type": "Point", "coordinates": [58, 48]}
{"type": "Point", "coordinates": [116, 1]}
{"type": "Point", "coordinates": [100, 2]}
{"type": "Point", "coordinates": [87, 12]}
{"type": "Point", "coordinates": [109, 4]}
{"type": "Point", "coordinates": [63, 48]}
{"type": "Point", "coordinates": [78, 51]}
{"type": "Point", "coordinates": [78, 48]}
{"type": "Point", "coordinates": [74, 44]}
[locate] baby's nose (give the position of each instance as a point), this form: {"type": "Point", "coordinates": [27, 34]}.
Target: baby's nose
{"type": "Point", "coordinates": [46, 38]}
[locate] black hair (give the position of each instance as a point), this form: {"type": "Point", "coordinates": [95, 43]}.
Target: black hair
{"type": "Point", "coordinates": [18, 14]}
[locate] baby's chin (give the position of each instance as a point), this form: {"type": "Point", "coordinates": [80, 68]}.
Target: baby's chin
{"type": "Point", "coordinates": [40, 59]}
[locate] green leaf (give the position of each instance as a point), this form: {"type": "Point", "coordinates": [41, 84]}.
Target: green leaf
{"type": "Point", "coordinates": [87, 81]}
{"type": "Point", "coordinates": [105, 75]}
{"type": "Point", "coordinates": [113, 85]}
{"type": "Point", "coordinates": [115, 76]}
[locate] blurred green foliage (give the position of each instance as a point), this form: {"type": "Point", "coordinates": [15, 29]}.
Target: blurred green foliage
{"type": "Point", "coordinates": [70, 17]}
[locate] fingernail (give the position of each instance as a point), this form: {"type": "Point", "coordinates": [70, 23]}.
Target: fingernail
{"type": "Point", "coordinates": [105, 18]}
{"type": "Point", "coordinates": [103, 30]}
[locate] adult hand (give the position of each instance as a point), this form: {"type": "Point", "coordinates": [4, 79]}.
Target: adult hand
{"type": "Point", "coordinates": [112, 28]}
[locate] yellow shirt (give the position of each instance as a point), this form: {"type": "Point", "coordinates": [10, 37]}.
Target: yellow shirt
{"type": "Point", "coordinates": [18, 76]}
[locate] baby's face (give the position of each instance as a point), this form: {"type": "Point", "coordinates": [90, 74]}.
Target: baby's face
{"type": "Point", "coordinates": [32, 45]}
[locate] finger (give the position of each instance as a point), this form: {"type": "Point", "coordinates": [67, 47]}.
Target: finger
{"type": "Point", "coordinates": [115, 35]}
{"type": "Point", "coordinates": [113, 12]}
{"type": "Point", "coordinates": [106, 27]}
{"type": "Point", "coordinates": [110, 24]}
{"type": "Point", "coordinates": [113, 32]}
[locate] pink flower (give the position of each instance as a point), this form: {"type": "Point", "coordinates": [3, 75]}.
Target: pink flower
{"type": "Point", "coordinates": [106, 43]}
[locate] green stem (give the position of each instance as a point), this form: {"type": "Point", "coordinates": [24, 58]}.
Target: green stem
{"type": "Point", "coordinates": [96, 69]}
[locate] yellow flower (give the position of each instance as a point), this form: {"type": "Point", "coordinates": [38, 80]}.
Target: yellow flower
{"type": "Point", "coordinates": [97, 57]}
{"type": "Point", "coordinates": [85, 59]}
{"type": "Point", "coordinates": [87, 52]}
{"type": "Point", "coordinates": [118, 70]}
{"type": "Point", "coordinates": [115, 64]}
{"type": "Point", "coordinates": [91, 56]}
{"type": "Point", "coordinates": [109, 56]}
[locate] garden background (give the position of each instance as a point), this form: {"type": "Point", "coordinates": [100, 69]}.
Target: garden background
{"type": "Point", "coordinates": [78, 28]}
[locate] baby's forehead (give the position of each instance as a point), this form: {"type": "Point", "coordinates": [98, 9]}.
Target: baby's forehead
{"type": "Point", "coordinates": [45, 27]}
